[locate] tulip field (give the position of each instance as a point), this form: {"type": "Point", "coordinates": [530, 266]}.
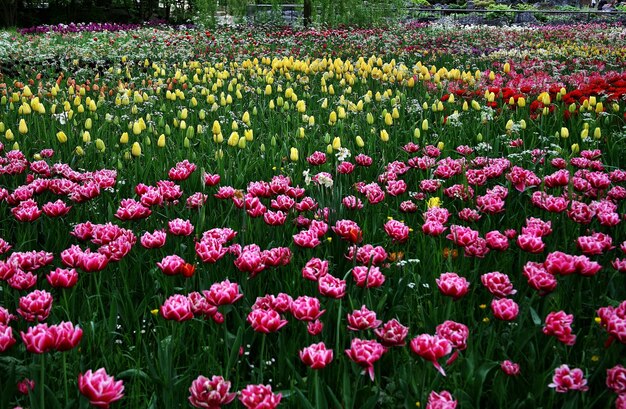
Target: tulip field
{"type": "Point", "coordinates": [417, 216]}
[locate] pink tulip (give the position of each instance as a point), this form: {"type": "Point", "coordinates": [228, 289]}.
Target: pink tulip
{"type": "Point", "coordinates": [392, 333]}
{"type": "Point", "coordinates": [398, 231]}
{"type": "Point", "coordinates": [452, 285]}
{"type": "Point", "coordinates": [504, 309]}
{"type": "Point", "coordinates": [566, 379]}
{"type": "Point", "coordinates": [38, 339]}
{"type": "Point", "coordinates": [180, 227]}
{"type": "Point", "coordinates": [314, 327]}
{"type": "Point", "coordinates": [306, 308]}
{"type": "Point", "coordinates": [315, 269]}
{"type": "Point", "coordinates": [431, 348]}
{"type": "Point", "coordinates": [35, 306]}
{"type": "Point", "coordinates": [66, 336]}
{"type": "Point", "coordinates": [259, 397]}
{"type": "Point", "coordinates": [331, 286]}
{"type": "Point", "coordinates": [316, 356]}
{"type": "Point", "coordinates": [265, 321]}
{"type": "Point", "coordinates": [558, 324]}
{"type": "Point", "coordinates": [365, 353]}
{"type": "Point", "coordinates": [210, 393]}
{"type": "Point", "coordinates": [177, 307]}
{"type": "Point", "coordinates": [100, 388]}
{"type": "Point", "coordinates": [56, 209]}
{"type": "Point", "coordinates": [171, 265]}
{"type": "Point", "coordinates": [368, 276]}
{"type": "Point", "coordinates": [441, 400]}
{"type": "Point", "coordinates": [223, 293]}
{"type": "Point", "coordinates": [211, 179]}
{"type": "Point", "coordinates": [25, 386]}
{"type": "Point", "coordinates": [510, 368]}
{"type": "Point", "coordinates": [6, 337]}
{"type": "Point", "coordinates": [62, 278]}
{"type": "Point", "coordinates": [363, 319]}
{"type": "Point", "coordinates": [498, 284]}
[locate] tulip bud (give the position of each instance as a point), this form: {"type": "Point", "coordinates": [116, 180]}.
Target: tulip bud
{"type": "Point", "coordinates": [161, 141]}
{"type": "Point", "coordinates": [425, 125]}
{"type": "Point", "coordinates": [597, 133]}
{"type": "Point", "coordinates": [124, 138]}
{"type": "Point", "coordinates": [293, 154]}
{"type": "Point", "coordinates": [136, 149]}
{"type": "Point", "coordinates": [359, 141]}
{"type": "Point", "coordinates": [22, 127]}
{"type": "Point", "coordinates": [9, 135]}
{"type": "Point", "coordinates": [384, 136]}
{"type": "Point", "coordinates": [337, 143]}
{"type": "Point", "coordinates": [100, 145]}
{"type": "Point", "coordinates": [61, 137]}
{"type": "Point", "coordinates": [564, 132]}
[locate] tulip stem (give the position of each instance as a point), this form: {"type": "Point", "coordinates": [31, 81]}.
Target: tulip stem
{"type": "Point", "coordinates": [262, 366]}
{"type": "Point", "coordinates": [42, 397]}
{"type": "Point", "coordinates": [65, 375]}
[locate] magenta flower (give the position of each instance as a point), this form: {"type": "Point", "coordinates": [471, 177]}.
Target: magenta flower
{"type": "Point", "coordinates": [498, 284]}
{"type": "Point", "coordinates": [616, 379]}
{"type": "Point", "coordinates": [431, 348]}
{"type": "Point", "coordinates": [35, 306]}
{"type": "Point", "coordinates": [331, 286]}
{"type": "Point", "coordinates": [306, 308]}
{"type": "Point", "coordinates": [504, 309]}
{"type": "Point", "coordinates": [223, 293]}
{"type": "Point", "coordinates": [368, 276]}
{"type": "Point", "coordinates": [100, 388]}
{"type": "Point", "coordinates": [363, 319]}
{"type": "Point", "coordinates": [398, 231]}
{"type": "Point", "coordinates": [510, 368]}
{"type": "Point", "coordinates": [566, 379]}
{"type": "Point", "coordinates": [365, 353]}
{"type": "Point", "coordinates": [265, 321]}
{"type": "Point", "coordinates": [441, 400]}
{"type": "Point", "coordinates": [558, 324]}
{"type": "Point", "coordinates": [62, 278]}
{"type": "Point", "coordinates": [38, 339]}
{"type": "Point", "coordinates": [66, 336]}
{"type": "Point", "coordinates": [210, 393]}
{"type": "Point", "coordinates": [452, 285]}
{"type": "Point", "coordinates": [180, 227]}
{"type": "Point", "coordinates": [177, 307]}
{"type": "Point", "coordinates": [259, 397]}
{"type": "Point", "coordinates": [316, 356]}
{"type": "Point", "coordinates": [392, 333]}
{"type": "Point", "coordinates": [25, 386]}
{"type": "Point", "coordinates": [6, 337]}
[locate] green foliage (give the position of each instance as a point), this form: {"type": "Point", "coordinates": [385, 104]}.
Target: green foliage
{"type": "Point", "coordinates": [498, 10]}
{"type": "Point", "coordinates": [421, 3]}
{"type": "Point", "coordinates": [484, 4]}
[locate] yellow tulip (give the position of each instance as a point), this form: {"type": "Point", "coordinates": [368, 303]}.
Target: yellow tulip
{"type": "Point", "coordinates": [22, 128]}
{"type": "Point", "coordinates": [384, 136]}
{"type": "Point", "coordinates": [359, 141]}
{"type": "Point", "coordinates": [161, 141]}
{"type": "Point", "coordinates": [233, 139]}
{"type": "Point", "coordinates": [9, 135]}
{"type": "Point", "coordinates": [564, 132]}
{"type": "Point", "coordinates": [248, 135]}
{"type": "Point", "coordinates": [124, 138]}
{"type": "Point", "coordinates": [597, 133]}
{"type": "Point", "coordinates": [388, 119]}
{"type": "Point", "coordinates": [440, 146]}
{"type": "Point", "coordinates": [79, 151]}
{"type": "Point", "coordinates": [217, 129]}
{"type": "Point", "coordinates": [575, 148]}
{"type": "Point", "coordinates": [425, 125]}
{"type": "Point", "coordinates": [100, 145]}
{"type": "Point", "coordinates": [293, 154]}
{"type": "Point", "coordinates": [61, 137]}
{"type": "Point", "coordinates": [507, 68]}
{"type": "Point", "coordinates": [337, 143]}
{"type": "Point", "coordinates": [136, 149]}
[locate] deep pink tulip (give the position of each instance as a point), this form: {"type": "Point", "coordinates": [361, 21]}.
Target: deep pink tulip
{"type": "Point", "coordinates": [265, 321]}
{"type": "Point", "coordinates": [100, 388]}
{"type": "Point", "coordinates": [441, 400]}
{"type": "Point", "coordinates": [316, 356]}
{"type": "Point", "coordinates": [504, 309]}
{"type": "Point", "coordinates": [259, 397]}
{"type": "Point", "coordinates": [616, 379]}
{"type": "Point", "coordinates": [363, 319]}
{"type": "Point", "coordinates": [510, 368]}
{"type": "Point", "coordinates": [305, 308]}
{"type": "Point", "coordinates": [331, 286]}
{"type": "Point", "coordinates": [498, 284]}
{"type": "Point", "coordinates": [38, 339]}
{"type": "Point", "coordinates": [177, 307]}
{"type": "Point", "coordinates": [392, 333]}
{"type": "Point", "coordinates": [62, 278]}
{"type": "Point", "coordinates": [6, 337]}
{"type": "Point", "coordinates": [431, 348]}
{"type": "Point", "coordinates": [35, 306]}
{"type": "Point", "coordinates": [452, 285]}
{"type": "Point", "coordinates": [365, 353]}
{"type": "Point", "coordinates": [66, 336]}
{"type": "Point", "coordinates": [566, 379]}
{"type": "Point", "coordinates": [210, 393]}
